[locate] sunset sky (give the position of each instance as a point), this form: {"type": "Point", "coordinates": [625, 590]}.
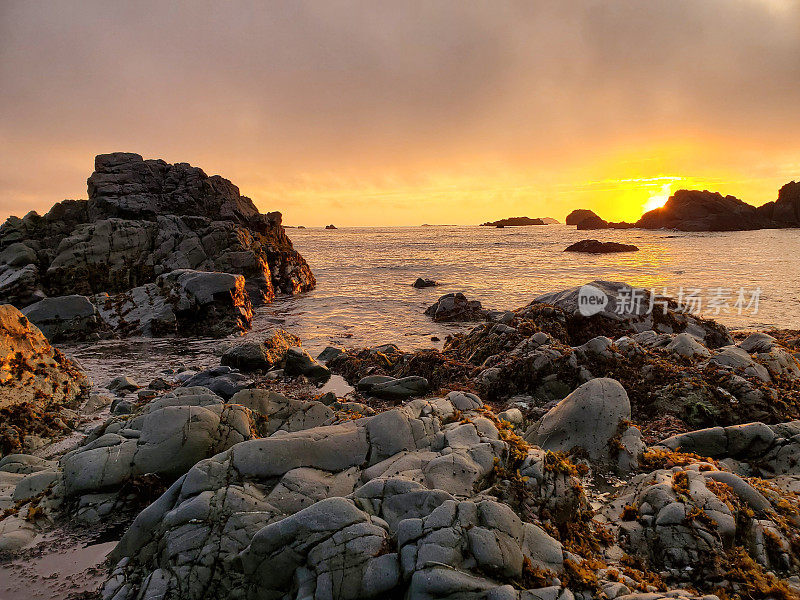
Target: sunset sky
{"type": "Point", "coordinates": [402, 113]}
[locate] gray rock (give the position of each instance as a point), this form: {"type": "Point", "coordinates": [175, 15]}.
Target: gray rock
{"type": "Point", "coordinates": [223, 381]}
{"type": "Point", "coordinates": [400, 389]}
{"type": "Point", "coordinates": [247, 356]}
{"type": "Point", "coordinates": [511, 415]}
{"type": "Point", "coordinates": [687, 346]}
{"type": "Point", "coordinates": [758, 342]}
{"type": "Point", "coordinates": [588, 418]}
{"type": "Point", "coordinates": [636, 315]}
{"type": "Point", "coordinates": [180, 302]}
{"type": "Point", "coordinates": [65, 317]}
{"type": "Point", "coordinates": [329, 353]}
{"type": "Point", "coordinates": [299, 362]}
{"type": "Point", "coordinates": [123, 384]}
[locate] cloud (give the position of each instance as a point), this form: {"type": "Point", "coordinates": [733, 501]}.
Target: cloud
{"type": "Point", "coordinates": [281, 92]}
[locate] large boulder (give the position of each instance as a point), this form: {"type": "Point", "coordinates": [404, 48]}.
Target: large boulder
{"type": "Point", "coordinates": [36, 382]}
{"type": "Point", "coordinates": [65, 317]}
{"type": "Point", "coordinates": [145, 218]}
{"type": "Point", "coordinates": [183, 302]}
{"type": "Point", "coordinates": [589, 418]}
{"type": "Point", "coordinates": [260, 355]}
{"type": "Point", "coordinates": [693, 210]}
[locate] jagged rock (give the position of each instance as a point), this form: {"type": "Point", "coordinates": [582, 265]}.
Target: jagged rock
{"type": "Point", "coordinates": [752, 448]}
{"type": "Point", "coordinates": [267, 514]}
{"type": "Point", "coordinates": [638, 311]}
{"type": "Point", "coordinates": [143, 219]}
{"type": "Point", "coordinates": [738, 360]}
{"type": "Point", "coordinates": [260, 355]}
{"type": "Point", "coordinates": [785, 212]}
{"type": "Point", "coordinates": [299, 362]}
{"type": "Point", "coordinates": [455, 307]}
{"type": "Point", "coordinates": [167, 438]}
{"type": "Point", "coordinates": [282, 413]}
{"type": "Point", "coordinates": [182, 302]}
{"type": "Point", "coordinates": [686, 515]}
{"type": "Point", "coordinates": [486, 534]}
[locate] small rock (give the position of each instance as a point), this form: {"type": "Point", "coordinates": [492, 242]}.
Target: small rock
{"type": "Point", "coordinates": [123, 384]}
{"type": "Point", "coordinates": [423, 283]}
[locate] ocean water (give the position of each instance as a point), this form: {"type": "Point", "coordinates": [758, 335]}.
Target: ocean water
{"type": "Point", "coordinates": [364, 295]}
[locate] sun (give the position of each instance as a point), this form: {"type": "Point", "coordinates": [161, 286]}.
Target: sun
{"type": "Point", "coordinates": [658, 200]}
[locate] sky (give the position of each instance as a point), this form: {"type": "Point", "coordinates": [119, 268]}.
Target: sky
{"type": "Point", "coordinates": [403, 113]}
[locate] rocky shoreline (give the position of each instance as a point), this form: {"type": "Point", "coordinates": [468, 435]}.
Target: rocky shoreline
{"type": "Point", "coordinates": [542, 454]}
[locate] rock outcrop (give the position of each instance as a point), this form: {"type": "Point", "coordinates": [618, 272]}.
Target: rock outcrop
{"type": "Point", "coordinates": [181, 302]}
{"type": "Point", "coordinates": [598, 247]}
{"type": "Point", "coordinates": [785, 211]}
{"type": "Point", "coordinates": [692, 210]}
{"type": "Point", "coordinates": [578, 215]}
{"type": "Point", "coordinates": [143, 219]}
{"type": "Point", "coordinates": [36, 382]}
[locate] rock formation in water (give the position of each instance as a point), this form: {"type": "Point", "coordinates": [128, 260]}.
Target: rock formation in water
{"type": "Point", "coordinates": [598, 247]}
{"type": "Point", "coordinates": [36, 383]}
{"type": "Point", "coordinates": [143, 219]}
{"type": "Point", "coordinates": [785, 211]}
{"type": "Point", "coordinates": [578, 215]}
{"type": "Point", "coordinates": [513, 222]}
{"type": "Point", "coordinates": [692, 210]}
{"type": "Point", "coordinates": [455, 307]}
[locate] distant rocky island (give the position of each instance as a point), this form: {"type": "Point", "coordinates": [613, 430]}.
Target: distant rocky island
{"type": "Point", "coordinates": [519, 222]}
{"type": "Point", "coordinates": [157, 249]}
{"type": "Point", "coordinates": [598, 247]}
{"type": "Point", "coordinates": [694, 210]}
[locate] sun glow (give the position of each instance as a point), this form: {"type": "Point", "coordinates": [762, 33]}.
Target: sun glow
{"type": "Point", "coordinates": [658, 200]}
